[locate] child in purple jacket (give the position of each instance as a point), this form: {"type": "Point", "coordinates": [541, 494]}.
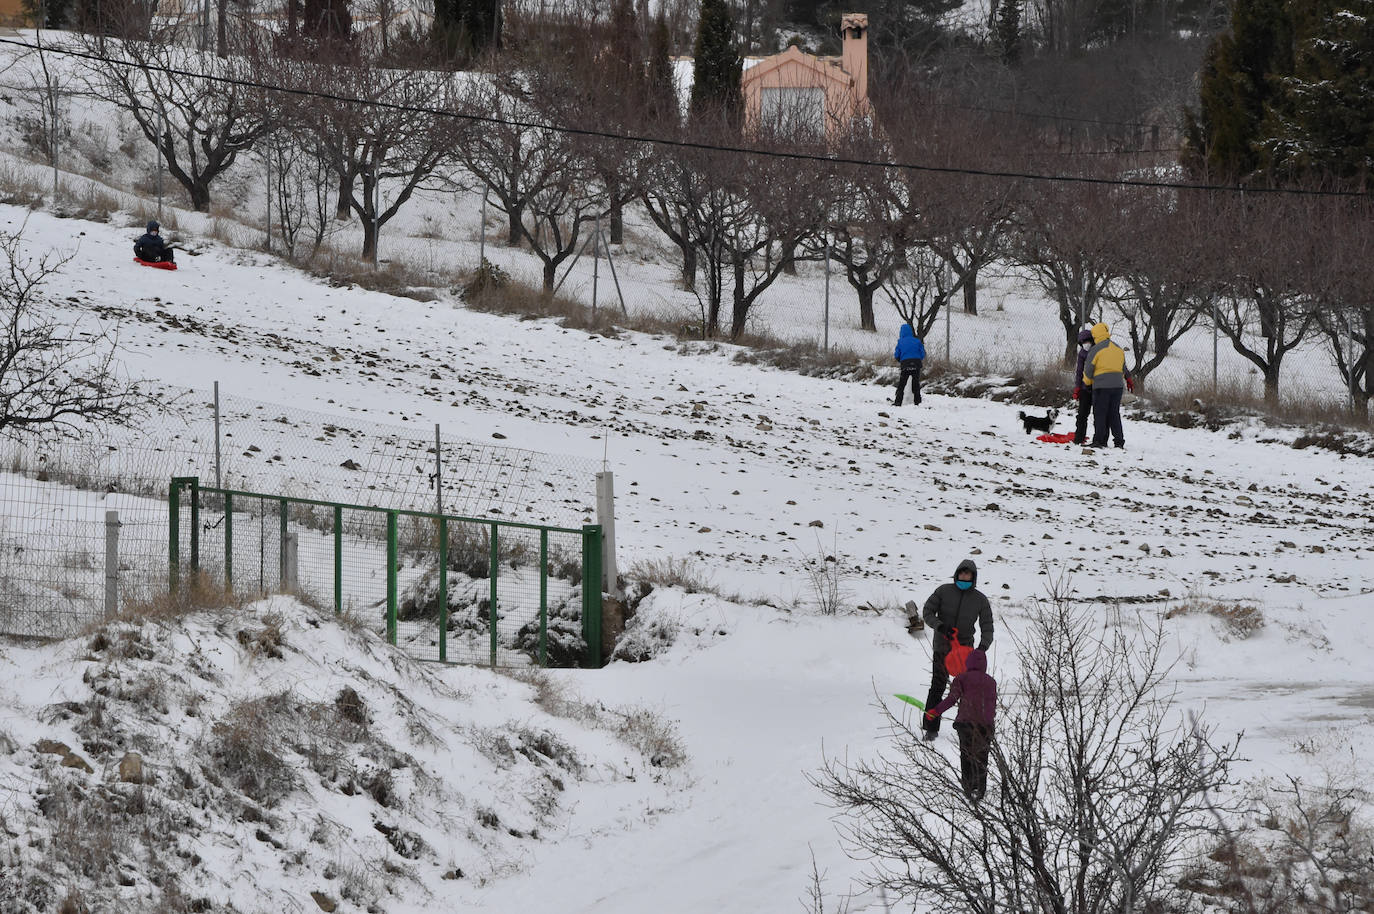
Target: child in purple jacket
{"type": "Point", "coordinates": [975, 692]}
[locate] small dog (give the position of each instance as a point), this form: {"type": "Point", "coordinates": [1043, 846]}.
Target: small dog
{"type": "Point", "coordinates": [1039, 423]}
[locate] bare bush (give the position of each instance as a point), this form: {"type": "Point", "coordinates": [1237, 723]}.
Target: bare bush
{"type": "Point", "coordinates": [1098, 793]}
{"type": "Point", "coordinates": [681, 572]}
{"type": "Point", "coordinates": [825, 574]}
{"type": "Point", "coordinates": [1240, 619]}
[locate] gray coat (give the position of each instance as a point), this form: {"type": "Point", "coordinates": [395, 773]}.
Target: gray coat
{"type": "Point", "coordinates": [949, 605]}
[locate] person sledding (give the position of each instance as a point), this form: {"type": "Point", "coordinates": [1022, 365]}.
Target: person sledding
{"type": "Point", "coordinates": [953, 610]}
{"type": "Point", "coordinates": [975, 692]}
{"type": "Point", "coordinates": [151, 248]}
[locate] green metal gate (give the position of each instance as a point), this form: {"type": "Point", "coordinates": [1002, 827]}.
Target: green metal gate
{"type": "Point", "coordinates": [448, 588]}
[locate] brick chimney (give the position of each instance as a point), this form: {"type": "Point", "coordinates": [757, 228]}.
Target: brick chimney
{"type": "Point", "coordinates": [854, 56]}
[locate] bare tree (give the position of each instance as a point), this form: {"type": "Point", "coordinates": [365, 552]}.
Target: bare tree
{"type": "Point", "coordinates": [920, 288]}
{"type": "Point", "coordinates": [1269, 308]}
{"type": "Point", "coordinates": [386, 144]}
{"type": "Point", "coordinates": [191, 107]}
{"type": "Point", "coordinates": [52, 377]}
{"type": "Point", "coordinates": [1347, 315]}
{"type": "Point", "coordinates": [1062, 238]}
{"type": "Point", "coordinates": [1164, 282]}
{"type": "Point", "coordinates": [1097, 798]}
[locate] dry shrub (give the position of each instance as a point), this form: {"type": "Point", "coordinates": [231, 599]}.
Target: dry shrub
{"type": "Point", "coordinates": [195, 593]}
{"type": "Point", "coordinates": [247, 748]}
{"type": "Point", "coordinates": [656, 738]}
{"type": "Point", "coordinates": [1240, 620]}
{"type": "Point", "coordinates": [671, 571]}
{"type": "Point", "coordinates": [551, 695]}
{"type": "Point", "coordinates": [391, 277]}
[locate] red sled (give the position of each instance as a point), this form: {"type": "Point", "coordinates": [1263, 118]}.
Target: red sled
{"type": "Point", "coordinates": [159, 264]}
{"type": "Point", "coordinates": [1062, 438]}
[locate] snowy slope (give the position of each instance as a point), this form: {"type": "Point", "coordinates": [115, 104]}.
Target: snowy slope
{"type": "Point", "coordinates": [733, 465]}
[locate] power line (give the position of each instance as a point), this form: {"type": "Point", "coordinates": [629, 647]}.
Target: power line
{"type": "Point", "coordinates": [690, 144]}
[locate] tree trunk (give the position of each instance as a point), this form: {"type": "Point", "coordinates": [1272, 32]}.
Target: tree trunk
{"type": "Point", "coordinates": [200, 196]}
{"type": "Point", "coordinates": [370, 229]}
{"type": "Point", "coordinates": [970, 279]}
{"type": "Point", "coordinates": [617, 219]}
{"type": "Point", "coordinates": [222, 29]}
{"type": "Point", "coordinates": [343, 209]}
{"type": "Point", "coordinates": [550, 276]}
{"type": "Point", "coordinates": [514, 232]}
{"type": "Point", "coordinates": [689, 265]}
{"type": "Point", "coordinates": [740, 311]}
{"type": "Point", "coordinates": [866, 319]}
{"type": "Point", "coordinates": [789, 259]}
{"type": "Point", "coordinates": [1271, 384]}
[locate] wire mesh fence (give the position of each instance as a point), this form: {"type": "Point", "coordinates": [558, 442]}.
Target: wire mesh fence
{"type": "Point", "coordinates": [445, 587]}
{"type": "Point", "coordinates": [57, 573]}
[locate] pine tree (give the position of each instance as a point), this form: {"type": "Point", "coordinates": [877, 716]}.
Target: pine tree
{"type": "Point", "coordinates": [662, 103]}
{"type": "Point", "coordinates": [1239, 74]}
{"type": "Point", "coordinates": [466, 28]}
{"type": "Point", "coordinates": [327, 20]}
{"type": "Point", "coordinates": [717, 68]}
{"type": "Point", "coordinates": [1320, 121]}
{"type": "Point", "coordinates": [1009, 30]}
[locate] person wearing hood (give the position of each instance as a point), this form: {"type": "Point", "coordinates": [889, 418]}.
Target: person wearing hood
{"type": "Point", "coordinates": [975, 692]}
{"type": "Point", "coordinates": [1105, 372]}
{"type": "Point", "coordinates": [1085, 400]}
{"type": "Point", "coordinates": [957, 605]}
{"type": "Point", "coordinates": [151, 247]}
{"type": "Point", "coordinates": [910, 353]}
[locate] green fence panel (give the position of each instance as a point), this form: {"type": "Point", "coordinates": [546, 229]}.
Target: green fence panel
{"type": "Point", "coordinates": [446, 588]}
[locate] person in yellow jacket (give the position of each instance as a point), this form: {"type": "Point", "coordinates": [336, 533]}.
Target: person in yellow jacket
{"type": "Point", "coordinates": [1106, 375]}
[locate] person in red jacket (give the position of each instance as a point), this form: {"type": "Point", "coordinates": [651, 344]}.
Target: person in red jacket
{"type": "Point", "coordinates": [975, 692]}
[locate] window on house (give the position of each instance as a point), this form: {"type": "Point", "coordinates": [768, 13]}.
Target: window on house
{"type": "Point", "coordinates": [792, 110]}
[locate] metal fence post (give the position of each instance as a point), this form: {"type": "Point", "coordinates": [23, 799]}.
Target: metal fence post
{"type": "Point", "coordinates": [543, 598]}
{"type": "Point", "coordinates": [391, 577]}
{"type": "Point", "coordinates": [338, 559]}
{"type": "Point", "coordinates": [826, 344]}
{"type": "Point", "coordinates": [443, 588]}
{"type": "Point", "coordinates": [283, 510]}
{"type": "Point", "coordinates": [219, 476]}
{"type": "Point", "coordinates": [228, 542]}
{"type": "Point", "coordinates": [173, 534]}
{"type": "Point", "coordinates": [605, 516]}
{"type": "Point", "coordinates": [591, 595]}
{"type": "Point", "coordinates": [493, 571]}
{"type": "Point", "coordinates": [111, 563]}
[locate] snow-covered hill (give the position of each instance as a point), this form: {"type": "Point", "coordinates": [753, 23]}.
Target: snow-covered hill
{"type": "Point", "coordinates": [747, 472]}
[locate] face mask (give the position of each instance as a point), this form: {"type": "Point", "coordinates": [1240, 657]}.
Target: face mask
{"type": "Point", "coordinates": [963, 585]}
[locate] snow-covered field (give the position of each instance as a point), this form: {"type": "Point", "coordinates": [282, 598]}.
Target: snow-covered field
{"type": "Point", "coordinates": [746, 472]}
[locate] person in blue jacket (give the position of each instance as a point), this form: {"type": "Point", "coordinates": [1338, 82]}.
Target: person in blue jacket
{"type": "Point", "coordinates": [151, 248]}
{"type": "Point", "coordinates": [910, 353]}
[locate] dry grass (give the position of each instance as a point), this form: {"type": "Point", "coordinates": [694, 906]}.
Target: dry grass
{"type": "Point", "coordinates": [196, 593]}
{"type": "Point", "coordinates": [679, 572]}
{"type": "Point", "coordinates": [1240, 620]}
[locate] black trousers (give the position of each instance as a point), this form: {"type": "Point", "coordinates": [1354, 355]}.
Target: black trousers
{"type": "Point", "coordinates": [154, 255]}
{"type": "Point", "coordinates": [1085, 411]}
{"type": "Point", "coordinates": [911, 368]}
{"type": "Point", "coordinates": [939, 680]}
{"type": "Point", "coordinates": [975, 741]}
{"type": "Point", "coordinates": [1107, 416]}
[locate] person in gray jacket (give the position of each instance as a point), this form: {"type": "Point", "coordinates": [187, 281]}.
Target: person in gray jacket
{"type": "Point", "coordinates": [957, 605]}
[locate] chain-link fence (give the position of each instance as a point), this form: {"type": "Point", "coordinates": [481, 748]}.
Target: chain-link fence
{"type": "Point", "coordinates": [471, 590]}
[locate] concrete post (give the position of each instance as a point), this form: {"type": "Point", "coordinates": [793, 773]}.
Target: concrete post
{"type": "Point", "coordinates": [111, 563]}
{"type": "Point", "coordinates": [605, 516]}
{"type": "Point", "coordinates": [290, 550]}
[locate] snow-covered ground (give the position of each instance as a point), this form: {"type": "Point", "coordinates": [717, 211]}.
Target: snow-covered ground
{"type": "Point", "coordinates": [746, 472]}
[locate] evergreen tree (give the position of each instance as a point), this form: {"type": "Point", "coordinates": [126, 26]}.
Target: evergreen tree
{"type": "Point", "coordinates": [1320, 122]}
{"type": "Point", "coordinates": [717, 68]}
{"type": "Point", "coordinates": [662, 103]}
{"type": "Point", "coordinates": [327, 20]}
{"type": "Point", "coordinates": [1009, 30]}
{"type": "Point", "coordinates": [1239, 75]}
{"type": "Point", "coordinates": [47, 14]}
{"type": "Point", "coordinates": [466, 28]}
